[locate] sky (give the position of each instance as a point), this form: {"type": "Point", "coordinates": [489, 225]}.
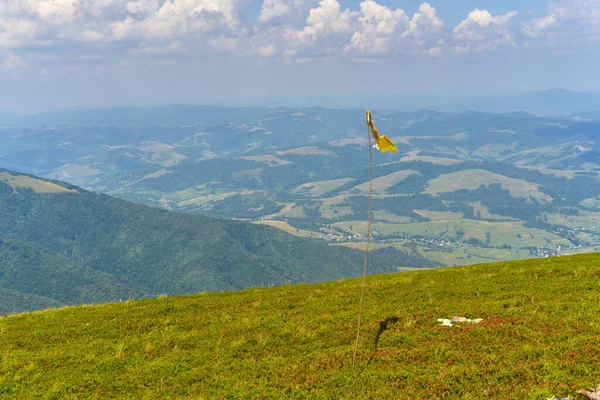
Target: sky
{"type": "Point", "coordinates": [57, 54]}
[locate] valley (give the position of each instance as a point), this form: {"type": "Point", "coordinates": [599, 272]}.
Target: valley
{"type": "Point", "coordinates": [473, 186]}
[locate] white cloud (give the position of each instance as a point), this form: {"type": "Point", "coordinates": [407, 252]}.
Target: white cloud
{"type": "Point", "coordinates": [149, 50]}
{"type": "Point", "coordinates": [460, 49]}
{"type": "Point", "coordinates": [92, 36]}
{"type": "Point", "coordinates": [178, 19]}
{"type": "Point", "coordinates": [284, 28]}
{"type": "Point", "coordinates": [374, 30]}
{"type": "Point", "coordinates": [565, 23]}
{"type": "Point", "coordinates": [424, 22]}
{"type": "Point", "coordinates": [13, 62]}
{"type": "Point", "coordinates": [56, 11]}
{"type": "Point", "coordinates": [15, 31]}
{"type": "Point", "coordinates": [378, 27]}
{"type": "Point", "coordinates": [142, 7]}
{"type": "Point", "coordinates": [327, 19]}
{"type": "Point", "coordinates": [325, 32]}
{"type": "Point", "coordinates": [584, 11]}
{"type": "Point", "coordinates": [435, 51]}
{"type": "Point", "coordinates": [425, 34]}
{"type": "Point", "coordinates": [268, 50]}
{"type": "Point", "coordinates": [272, 9]}
{"type": "Point", "coordinates": [224, 43]}
{"type": "Point", "coordinates": [538, 25]}
{"type": "Point", "coordinates": [52, 11]}
{"type": "Point", "coordinates": [28, 21]}
{"type": "Point", "coordinates": [481, 31]}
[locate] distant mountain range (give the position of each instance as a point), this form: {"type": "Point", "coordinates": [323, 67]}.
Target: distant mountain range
{"type": "Point", "coordinates": [544, 103]}
{"type": "Point", "coordinates": [60, 244]}
{"type": "Point", "coordinates": [550, 103]}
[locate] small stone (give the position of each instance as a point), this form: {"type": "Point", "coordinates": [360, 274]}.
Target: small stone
{"type": "Point", "coordinates": [476, 320]}
{"type": "Point", "coordinates": [459, 319]}
{"type": "Point", "coordinates": [445, 322]}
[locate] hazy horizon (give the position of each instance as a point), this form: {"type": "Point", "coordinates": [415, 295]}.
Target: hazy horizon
{"type": "Point", "coordinates": [500, 102]}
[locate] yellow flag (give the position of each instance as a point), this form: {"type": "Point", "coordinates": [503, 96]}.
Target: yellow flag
{"type": "Point", "coordinates": [383, 142]}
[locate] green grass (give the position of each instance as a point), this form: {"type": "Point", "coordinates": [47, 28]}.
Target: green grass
{"type": "Point", "coordinates": [473, 255]}
{"type": "Point", "coordinates": [585, 219]}
{"type": "Point", "coordinates": [539, 338]}
{"type": "Point", "coordinates": [465, 255]}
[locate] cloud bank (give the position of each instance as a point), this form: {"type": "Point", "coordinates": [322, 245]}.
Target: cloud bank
{"type": "Point", "coordinates": [287, 30]}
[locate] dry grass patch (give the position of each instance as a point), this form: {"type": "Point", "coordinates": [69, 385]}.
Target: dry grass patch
{"type": "Point", "coordinates": [268, 159]}
{"type": "Point", "coordinates": [471, 179]}
{"type": "Point", "coordinates": [39, 186]}
{"type": "Point", "coordinates": [316, 189]}
{"type": "Point", "coordinates": [439, 215]}
{"type": "Point", "coordinates": [284, 226]}
{"type": "Point", "coordinates": [381, 184]}
{"type": "Point", "coordinates": [307, 151]}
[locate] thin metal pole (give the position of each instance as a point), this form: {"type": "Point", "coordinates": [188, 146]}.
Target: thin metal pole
{"type": "Point", "coordinates": [362, 291]}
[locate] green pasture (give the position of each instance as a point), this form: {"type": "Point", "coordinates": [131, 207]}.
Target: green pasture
{"type": "Point", "coordinates": [537, 339]}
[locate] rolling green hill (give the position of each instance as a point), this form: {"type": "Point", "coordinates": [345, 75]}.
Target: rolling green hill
{"type": "Point", "coordinates": [305, 169]}
{"type": "Point", "coordinates": [538, 338]}
{"type": "Point", "coordinates": [72, 246]}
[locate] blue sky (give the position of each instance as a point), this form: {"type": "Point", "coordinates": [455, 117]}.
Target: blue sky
{"type": "Point", "coordinates": [94, 53]}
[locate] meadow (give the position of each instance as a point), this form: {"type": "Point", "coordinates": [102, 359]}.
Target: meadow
{"type": "Point", "coordinates": [538, 339]}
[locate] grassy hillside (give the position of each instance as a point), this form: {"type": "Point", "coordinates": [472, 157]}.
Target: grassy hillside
{"type": "Point", "coordinates": [539, 338]}
{"type": "Point", "coordinates": [75, 246]}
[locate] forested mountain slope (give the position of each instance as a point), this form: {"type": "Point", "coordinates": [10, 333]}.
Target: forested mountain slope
{"type": "Point", "coordinates": [60, 244]}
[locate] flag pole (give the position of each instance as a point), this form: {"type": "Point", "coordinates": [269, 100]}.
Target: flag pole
{"type": "Point", "coordinates": [362, 291]}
